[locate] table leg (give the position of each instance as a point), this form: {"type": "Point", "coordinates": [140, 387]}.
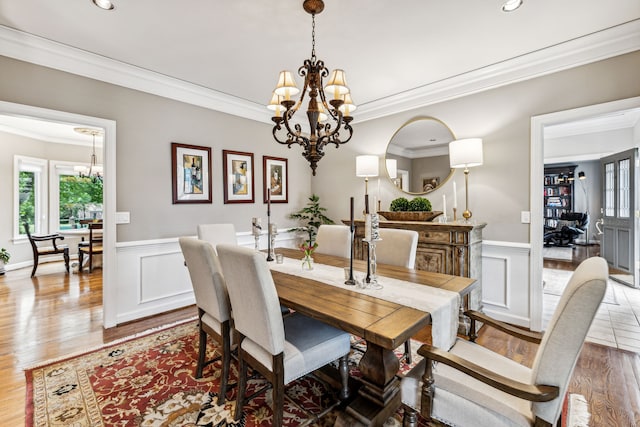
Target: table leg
{"type": "Point", "coordinates": [379, 396]}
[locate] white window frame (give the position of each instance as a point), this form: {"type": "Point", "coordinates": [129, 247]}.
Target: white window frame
{"type": "Point", "coordinates": [58, 167]}
{"type": "Point", "coordinates": [40, 168]}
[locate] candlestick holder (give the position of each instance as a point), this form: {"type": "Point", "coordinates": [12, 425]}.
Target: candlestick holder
{"type": "Point", "coordinates": [272, 246]}
{"type": "Point", "coordinates": [373, 278]}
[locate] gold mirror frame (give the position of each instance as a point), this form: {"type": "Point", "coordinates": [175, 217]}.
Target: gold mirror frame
{"type": "Point", "coordinates": [440, 141]}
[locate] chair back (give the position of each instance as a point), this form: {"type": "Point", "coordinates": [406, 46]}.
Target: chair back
{"type": "Point", "coordinates": [206, 278]}
{"type": "Point", "coordinates": [334, 240]}
{"type": "Point", "coordinates": [397, 247]}
{"type": "Point", "coordinates": [563, 340]}
{"type": "Point", "coordinates": [217, 233]}
{"type": "Point", "coordinates": [95, 237]}
{"type": "Point", "coordinates": [253, 295]}
{"type": "Point", "coordinates": [34, 245]}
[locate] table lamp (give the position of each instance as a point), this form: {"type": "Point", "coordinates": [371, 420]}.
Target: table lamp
{"type": "Point", "coordinates": [367, 167]}
{"type": "Point", "coordinates": [465, 153]}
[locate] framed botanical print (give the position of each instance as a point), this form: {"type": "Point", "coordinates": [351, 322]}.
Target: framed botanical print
{"type": "Point", "coordinates": [275, 175]}
{"type": "Point", "coordinates": [238, 177]}
{"type": "Point", "coordinates": [190, 173]}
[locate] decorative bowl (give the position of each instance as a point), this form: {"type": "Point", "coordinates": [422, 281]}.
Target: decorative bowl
{"type": "Point", "coordinates": [410, 216]}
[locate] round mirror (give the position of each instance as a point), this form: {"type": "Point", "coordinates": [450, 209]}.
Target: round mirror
{"type": "Point", "coordinates": [417, 157]}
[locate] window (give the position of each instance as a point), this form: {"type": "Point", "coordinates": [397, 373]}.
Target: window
{"type": "Point", "coordinates": [73, 198]}
{"type": "Point", "coordinates": [624, 189]}
{"type": "Point", "coordinates": [609, 189]}
{"type": "Point", "coordinates": [30, 195]}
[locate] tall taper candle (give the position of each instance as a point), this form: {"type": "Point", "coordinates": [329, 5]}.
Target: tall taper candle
{"type": "Point", "coordinates": [269, 201]}
{"type": "Point", "coordinates": [455, 196]}
{"type": "Point", "coordinates": [444, 205]}
{"type": "Point", "coordinates": [351, 216]}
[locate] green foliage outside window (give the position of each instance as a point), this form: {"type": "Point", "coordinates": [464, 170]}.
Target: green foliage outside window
{"type": "Point", "coordinates": [27, 199]}
{"type": "Point", "coordinates": [78, 196]}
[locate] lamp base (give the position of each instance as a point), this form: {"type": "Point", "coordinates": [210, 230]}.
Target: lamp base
{"type": "Point", "coordinates": [466, 214]}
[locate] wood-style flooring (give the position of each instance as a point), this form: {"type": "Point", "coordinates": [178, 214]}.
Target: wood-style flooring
{"type": "Point", "coordinates": [55, 314]}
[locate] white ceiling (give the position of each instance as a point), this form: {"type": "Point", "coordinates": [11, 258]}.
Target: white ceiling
{"type": "Point", "coordinates": [392, 52]}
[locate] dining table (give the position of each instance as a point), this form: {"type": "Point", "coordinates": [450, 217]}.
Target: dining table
{"type": "Point", "coordinates": [385, 318]}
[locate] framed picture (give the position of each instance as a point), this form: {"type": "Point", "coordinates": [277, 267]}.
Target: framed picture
{"type": "Point", "coordinates": [275, 175]}
{"type": "Point", "coordinates": [190, 173]}
{"type": "Point", "coordinates": [238, 177]}
{"type": "Point", "coordinates": [430, 184]}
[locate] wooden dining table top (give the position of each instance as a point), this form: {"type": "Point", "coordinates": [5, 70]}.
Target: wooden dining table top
{"type": "Point", "coordinates": [381, 322]}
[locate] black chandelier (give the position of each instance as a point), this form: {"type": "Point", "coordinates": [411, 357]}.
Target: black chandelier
{"type": "Point", "coordinates": [319, 111]}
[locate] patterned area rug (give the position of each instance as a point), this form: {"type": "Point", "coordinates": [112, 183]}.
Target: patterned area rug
{"type": "Point", "coordinates": [148, 381]}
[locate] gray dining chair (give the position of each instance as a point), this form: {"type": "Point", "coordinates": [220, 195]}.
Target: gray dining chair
{"type": "Point", "coordinates": [281, 349]}
{"type": "Point", "coordinates": [398, 247]}
{"type": "Point", "coordinates": [217, 233]}
{"type": "Point", "coordinates": [473, 386]}
{"type": "Point", "coordinates": [334, 240]}
{"type": "Point", "coordinates": [214, 308]}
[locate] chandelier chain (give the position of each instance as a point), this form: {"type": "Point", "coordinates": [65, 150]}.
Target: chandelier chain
{"type": "Point", "coordinates": [313, 37]}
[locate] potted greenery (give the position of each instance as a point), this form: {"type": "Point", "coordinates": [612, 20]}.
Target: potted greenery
{"type": "Point", "coordinates": [417, 209]}
{"type": "Point", "coordinates": [312, 215]}
{"type": "Point", "coordinates": [4, 259]}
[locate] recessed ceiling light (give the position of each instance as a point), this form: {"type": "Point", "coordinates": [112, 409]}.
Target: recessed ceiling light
{"type": "Point", "coordinates": [104, 4]}
{"type": "Point", "coordinates": [511, 5]}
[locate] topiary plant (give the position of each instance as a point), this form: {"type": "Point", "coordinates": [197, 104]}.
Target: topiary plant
{"type": "Point", "coordinates": [419, 204]}
{"type": "Point", "coordinates": [399, 205]}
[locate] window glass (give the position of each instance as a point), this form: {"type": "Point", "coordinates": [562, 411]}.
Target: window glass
{"type": "Point", "coordinates": [27, 200]}
{"type": "Point", "coordinates": [80, 198]}
{"type": "Point", "coordinates": [30, 195]}
{"type": "Point", "coordinates": [609, 189]}
{"type": "Point", "coordinates": [624, 190]}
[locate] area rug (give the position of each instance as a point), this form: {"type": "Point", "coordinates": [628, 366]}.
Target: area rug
{"type": "Point", "coordinates": [557, 253]}
{"type": "Point", "coordinates": [555, 281]}
{"type": "Point", "coordinates": [148, 381]}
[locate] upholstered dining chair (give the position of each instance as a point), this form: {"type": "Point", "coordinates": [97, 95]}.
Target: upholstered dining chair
{"type": "Point", "coordinates": [472, 386]}
{"type": "Point", "coordinates": [281, 349]}
{"type": "Point", "coordinates": [217, 233]}
{"type": "Point", "coordinates": [214, 308]}
{"type": "Point", "coordinates": [398, 247]}
{"type": "Point", "coordinates": [49, 247]}
{"type": "Point", "coordinates": [334, 240]}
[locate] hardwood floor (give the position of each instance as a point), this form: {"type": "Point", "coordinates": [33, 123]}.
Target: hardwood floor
{"type": "Point", "coordinates": [55, 314]}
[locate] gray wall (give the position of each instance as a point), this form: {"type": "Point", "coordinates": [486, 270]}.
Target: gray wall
{"type": "Point", "coordinates": [499, 189]}
{"type": "Point", "coordinates": [146, 126]}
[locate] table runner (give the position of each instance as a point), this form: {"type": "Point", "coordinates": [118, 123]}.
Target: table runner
{"type": "Point", "coordinates": [442, 304]}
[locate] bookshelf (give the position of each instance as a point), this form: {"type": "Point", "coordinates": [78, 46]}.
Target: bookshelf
{"type": "Point", "coordinates": [558, 193]}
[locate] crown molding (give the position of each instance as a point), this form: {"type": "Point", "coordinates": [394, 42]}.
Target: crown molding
{"type": "Point", "coordinates": [597, 46]}
{"type": "Point", "coordinates": [593, 47]}
{"type": "Point", "coordinates": [37, 50]}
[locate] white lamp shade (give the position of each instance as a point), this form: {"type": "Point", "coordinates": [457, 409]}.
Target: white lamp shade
{"type": "Point", "coordinates": [392, 168]}
{"type": "Point", "coordinates": [465, 153]}
{"type": "Point", "coordinates": [286, 85]}
{"type": "Point", "coordinates": [367, 166]}
{"type": "Point", "coordinates": [337, 84]}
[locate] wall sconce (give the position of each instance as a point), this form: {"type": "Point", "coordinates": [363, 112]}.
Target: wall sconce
{"type": "Point", "coordinates": [367, 167]}
{"type": "Point", "coordinates": [466, 153]}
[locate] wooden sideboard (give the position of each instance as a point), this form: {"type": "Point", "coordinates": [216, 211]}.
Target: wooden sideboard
{"type": "Point", "coordinates": [450, 248]}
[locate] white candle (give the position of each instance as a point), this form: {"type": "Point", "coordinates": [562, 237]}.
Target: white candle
{"type": "Point", "coordinates": [274, 229]}
{"type": "Point", "coordinates": [367, 227]}
{"type": "Point", "coordinates": [455, 196]}
{"type": "Point", "coordinates": [375, 204]}
{"type": "Point", "coordinates": [444, 204]}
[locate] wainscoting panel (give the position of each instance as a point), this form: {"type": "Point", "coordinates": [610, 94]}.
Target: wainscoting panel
{"type": "Point", "coordinates": [505, 281]}
{"type": "Point", "coordinates": [151, 277]}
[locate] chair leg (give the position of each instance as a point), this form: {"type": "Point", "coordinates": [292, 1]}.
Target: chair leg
{"type": "Point", "coordinates": [242, 385]}
{"type": "Point", "coordinates": [80, 259]}
{"type": "Point", "coordinates": [407, 351]}
{"type": "Point", "coordinates": [35, 265]}
{"type": "Point", "coordinates": [343, 367]}
{"type": "Point", "coordinates": [278, 401]}
{"type": "Point", "coordinates": [66, 259]}
{"type": "Point", "coordinates": [409, 418]}
{"type": "Point", "coordinates": [226, 363]}
{"type": "Point", "coordinates": [202, 351]}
